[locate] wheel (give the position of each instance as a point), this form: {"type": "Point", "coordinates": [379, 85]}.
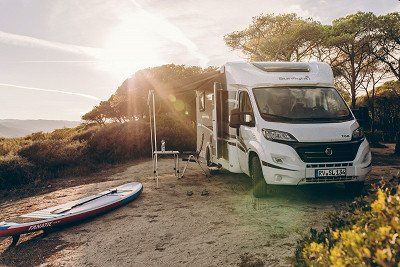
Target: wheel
{"type": "Point", "coordinates": [355, 188]}
{"type": "Point", "coordinates": [211, 166]}
{"type": "Point", "coordinates": [259, 184]}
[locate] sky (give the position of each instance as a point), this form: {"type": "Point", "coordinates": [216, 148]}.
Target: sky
{"type": "Point", "coordinates": [58, 59]}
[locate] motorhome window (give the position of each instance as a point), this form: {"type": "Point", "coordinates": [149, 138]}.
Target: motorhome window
{"type": "Point", "coordinates": [301, 104]}
{"type": "Point", "coordinates": [202, 101]}
{"type": "Point", "coordinates": [244, 103]}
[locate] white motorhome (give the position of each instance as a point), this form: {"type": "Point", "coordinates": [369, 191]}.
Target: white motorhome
{"type": "Point", "coordinates": [281, 123]}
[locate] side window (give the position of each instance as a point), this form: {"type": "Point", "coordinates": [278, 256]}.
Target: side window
{"type": "Point", "coordinates": [244, 103]}
{"type": "Point", "coordinates": [202, 101]}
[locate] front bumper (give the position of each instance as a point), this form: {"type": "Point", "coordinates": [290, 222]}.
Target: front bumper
{"type": "Point", "coordinates": [291, 170]}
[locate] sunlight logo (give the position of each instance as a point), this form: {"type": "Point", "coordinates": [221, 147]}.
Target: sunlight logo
{"type": "Point", "coordinates": [295, 78]}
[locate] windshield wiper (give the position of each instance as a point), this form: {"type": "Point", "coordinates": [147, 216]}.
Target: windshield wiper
{"type": "Point", "coordinates": [276, 116]}
{"type": "Point", "coordinates": [324, 118]}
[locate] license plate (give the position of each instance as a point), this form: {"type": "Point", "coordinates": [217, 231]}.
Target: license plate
{"type": "Point", "coordinates": [330, 172]}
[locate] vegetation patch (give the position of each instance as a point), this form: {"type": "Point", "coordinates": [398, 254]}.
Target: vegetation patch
{"type": "Point", "coordinates": [366, 234]}
{"type": "Point", "coordinates": [82, 150]}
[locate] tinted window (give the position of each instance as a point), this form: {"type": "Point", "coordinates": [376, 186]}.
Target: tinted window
{"type": "Point", "coordinates": [301, 104]}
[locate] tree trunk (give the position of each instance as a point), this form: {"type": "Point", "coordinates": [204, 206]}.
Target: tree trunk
{"type": "Point", "coordinates": [353, 95]}
{"type": "Point", "coordinates": [353, 80]}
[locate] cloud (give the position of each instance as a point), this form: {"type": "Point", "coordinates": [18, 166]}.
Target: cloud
{"type": "Point", "coordinates": [50, 90]}
{"type": "Point", "coordinates": [27, 41]}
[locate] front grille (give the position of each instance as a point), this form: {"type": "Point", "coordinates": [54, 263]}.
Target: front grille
{"type": "Point", "coordinates": [317, 152]}
{"type": "Point", "coordinates": [330, 179]}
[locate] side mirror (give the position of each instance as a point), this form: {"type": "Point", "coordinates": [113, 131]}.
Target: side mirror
{"type": "Point", "coordinates": [248, 119]}
{"type": "Point", "coordinates": [235, 119]}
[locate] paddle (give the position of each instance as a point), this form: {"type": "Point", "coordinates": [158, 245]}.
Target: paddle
{"type": "Point", "coordinates": [65, 209]}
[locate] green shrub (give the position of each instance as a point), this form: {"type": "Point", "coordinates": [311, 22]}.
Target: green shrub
{"type": "Point", "coordinates": [38, 136]}
{"type": "Point", "coordinates": [15, 171]}
{"type": "Point", "coordinates": [368, 235]}
{"type": "Point", "coordinates": [75, 151]}
{"type": "Point", "coordinates": [54, 155]}
{"type": "Point", "coordinates": [118, 142]}
{"type": "Point", "coordinates": [85, 134]}
{"type": "Point", "coordinates": [11, 146]}
{"type": "Point", "coordinates": [64, 133]}
{"type": "Point", "coordinates": [375, 137]}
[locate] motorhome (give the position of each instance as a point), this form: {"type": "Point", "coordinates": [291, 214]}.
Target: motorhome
{"type": "Point", "coordinates": [281, 123]}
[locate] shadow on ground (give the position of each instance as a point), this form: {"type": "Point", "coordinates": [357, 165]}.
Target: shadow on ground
{"type": "Point", "coordinates": [32, 250]}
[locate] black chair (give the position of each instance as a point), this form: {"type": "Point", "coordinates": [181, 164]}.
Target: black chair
{"type": "Point", "coordinates": [193, 156]}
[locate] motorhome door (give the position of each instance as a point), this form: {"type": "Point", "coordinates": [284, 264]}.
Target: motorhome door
{"type": "Point", "coordinates": [245, 131]}
{"type": "Point", "coordinates": [220, 121]}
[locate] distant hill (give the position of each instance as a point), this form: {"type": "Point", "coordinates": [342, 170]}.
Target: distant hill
{"type": "Point", "coordinates": [18, 128]}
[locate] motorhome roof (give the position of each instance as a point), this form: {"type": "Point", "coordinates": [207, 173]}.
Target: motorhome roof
{"type": "Point", "coordinates": [256, 74]}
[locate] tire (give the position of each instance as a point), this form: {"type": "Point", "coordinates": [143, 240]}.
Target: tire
{"type": "Point", "coordinates": [354, 188]}
{"type": "Point", "coordinates": [210, 164]}
{"type": "Point", "coordinates": [259, 184]}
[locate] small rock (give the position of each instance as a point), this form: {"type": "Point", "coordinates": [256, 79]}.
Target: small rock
{"type": "Point", "coordinates": [160, 247]}
{"type": "Point", "coordinates": [189, 193]}
{"type": "Point", "coordinates": [204, 192]}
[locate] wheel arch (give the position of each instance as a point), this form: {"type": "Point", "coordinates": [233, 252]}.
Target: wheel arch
{"type": "Point", "coordinates": [255, 149]}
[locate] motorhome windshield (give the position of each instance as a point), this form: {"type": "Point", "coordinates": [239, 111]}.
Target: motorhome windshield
{"type": "Point", "coordinates": [301, 104]}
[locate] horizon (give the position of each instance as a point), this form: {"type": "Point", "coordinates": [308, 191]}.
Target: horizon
{"type": "Point", "coordinates": [69, 59]}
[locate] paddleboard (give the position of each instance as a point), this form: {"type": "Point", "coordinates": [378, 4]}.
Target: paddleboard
{"type": "Point", "coordinates": [73, 211]}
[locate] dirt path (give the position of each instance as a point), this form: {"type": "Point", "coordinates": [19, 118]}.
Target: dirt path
{"type": "Point", "coordinates": [166, 226]}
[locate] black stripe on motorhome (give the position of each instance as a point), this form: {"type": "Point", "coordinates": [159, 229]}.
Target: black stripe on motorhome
{"type": "Point", "coordinates": [276, 167]}
{"type": "Point", "coordinates": [241, 148]}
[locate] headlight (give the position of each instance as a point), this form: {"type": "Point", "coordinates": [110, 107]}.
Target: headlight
{"type": "Point", "coordinates": [358, 134]}
{"type": "Point", "coordinates": [275, 135]}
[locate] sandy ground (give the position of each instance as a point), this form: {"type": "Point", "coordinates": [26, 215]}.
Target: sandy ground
{"type": "Point", "coordinates": [167, 226]}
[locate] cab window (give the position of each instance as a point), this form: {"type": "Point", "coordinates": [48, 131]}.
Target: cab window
{"type": "Point", "coordinates": [244, 103]}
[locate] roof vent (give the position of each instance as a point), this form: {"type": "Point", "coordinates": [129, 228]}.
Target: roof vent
{"type": "Point", "coordinates": [282, 66]}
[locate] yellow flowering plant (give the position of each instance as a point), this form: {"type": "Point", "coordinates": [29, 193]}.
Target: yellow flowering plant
{"type": "Point", "coordinates": [365, 235]}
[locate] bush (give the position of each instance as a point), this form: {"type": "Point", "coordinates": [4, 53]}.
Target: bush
{"type": "Point", "coordinates": [375, 137]}
{"type": "Point", "coordinates": [11, 146]}
{"type": "Point", "coordinates": [75, 151]}
{"type": "Point", "coordinates": [54, 155]}
{"type": "Point", "coordinates": [85, 134]}
{"type": "Point", "coordinates": [15, 171]}
{"type": "Point", "coordinates": [120, 142]}
{"type": "Point", "coordinates": [367, 235]}
{"type": "Point", "coordinates": [64, 133]}
{"type": "Point", "coordinates": [38, 136]}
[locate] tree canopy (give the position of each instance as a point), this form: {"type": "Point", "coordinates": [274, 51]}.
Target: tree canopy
{"type": "Point", "coordinates": [129, 102]}
{"type": "Point", "coordinates": [353, 45]}
{"type": "Point", "coordinates": [284, 37]}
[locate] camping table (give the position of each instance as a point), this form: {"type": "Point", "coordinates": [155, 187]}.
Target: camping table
{"type": "Point", "coordinates": [160, 153]}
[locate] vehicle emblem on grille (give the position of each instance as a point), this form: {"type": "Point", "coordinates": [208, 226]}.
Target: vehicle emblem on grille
{"type": "Point", "coordinates": [329, 151]}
